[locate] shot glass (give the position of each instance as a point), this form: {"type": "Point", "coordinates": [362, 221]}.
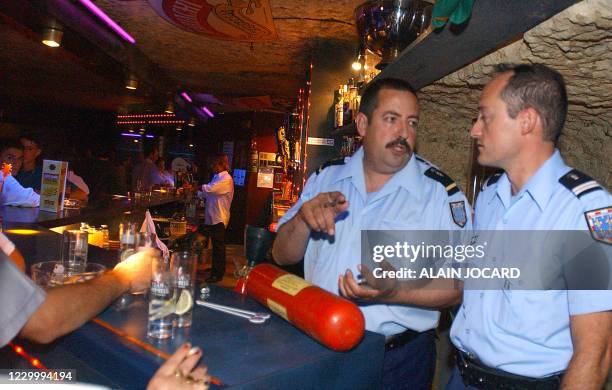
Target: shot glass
{"type": "Point", "coordinates": [74, 251]}
{"type": "Point", "coordinates": [183, 266]}
{"type": "Point", "coordinates": [162, 300]}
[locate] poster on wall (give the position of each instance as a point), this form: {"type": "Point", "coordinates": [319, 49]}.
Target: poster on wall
{"type": "Point", "coordinates": [53, 185]}
{"type": "Point", "coordinates": [265, 178]}
{"type": "Point", "coordinates": [231, 20]}
{"type": "Point", "coordinates": [238, 175]}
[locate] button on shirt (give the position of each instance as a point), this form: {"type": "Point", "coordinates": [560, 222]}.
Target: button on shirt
{"type": "Point", "coordinates": [13, 194]}
{"type": "Point", "coordinates": [218, 194]}
{"type": "Point", "coordinates": [19, 299]}
{"type": "Point", "coordinates": [528, 332]}
{"type": "Point", "coordinates": [408, 201]}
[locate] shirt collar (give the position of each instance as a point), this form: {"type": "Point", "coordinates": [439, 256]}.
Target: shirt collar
{"type": "Point", "coordinates": [408, 177]}
{"type": "Point", "coordinates": [540, 185]}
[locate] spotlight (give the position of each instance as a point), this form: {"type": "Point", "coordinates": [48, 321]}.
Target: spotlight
{"type": "Point", "coordinates": [169, 108]}
{"type": "Point", "coordinates": [192, 122]}
{"type": "Point", "coordinates": [52, 37]}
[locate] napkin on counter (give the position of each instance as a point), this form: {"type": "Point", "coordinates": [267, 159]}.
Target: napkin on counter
{"type": "Point", "coordinates": [149, 226]}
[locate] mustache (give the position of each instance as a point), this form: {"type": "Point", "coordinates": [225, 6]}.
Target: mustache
{"type": "Point", "coordinates": [400, 141]}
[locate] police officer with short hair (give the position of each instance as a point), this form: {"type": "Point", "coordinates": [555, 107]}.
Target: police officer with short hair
{"type": "Point", "coordinates": [384, 186]}
{"type": "Point", "coordinates": [532, 339]}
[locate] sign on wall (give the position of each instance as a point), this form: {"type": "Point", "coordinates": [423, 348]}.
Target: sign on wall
{"type": "Point", "coordinates": [233, 20]}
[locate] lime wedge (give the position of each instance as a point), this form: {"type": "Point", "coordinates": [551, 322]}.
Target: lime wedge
{"type": "Point", "coordinates": [184, 303]}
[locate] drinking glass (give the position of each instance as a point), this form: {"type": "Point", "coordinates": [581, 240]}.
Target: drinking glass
{"type": "Point", "coordinates": [74, 251]}
{"type": "Point", "coordinates": [162, 299]}
{"type": "Point", "coordinates": [183, 266]}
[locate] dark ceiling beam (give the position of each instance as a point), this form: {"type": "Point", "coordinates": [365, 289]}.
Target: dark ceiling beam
{"type": "Point", "coordinates": [493, 24]}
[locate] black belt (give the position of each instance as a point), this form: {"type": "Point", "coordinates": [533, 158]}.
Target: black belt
{"type": "Point", "coordinates": [401, 339]}
{"type": "Point", "coordinates": [482, 377]}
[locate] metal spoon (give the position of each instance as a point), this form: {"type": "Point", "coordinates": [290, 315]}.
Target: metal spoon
{"type": "Point", "coordinates": [255, 319]}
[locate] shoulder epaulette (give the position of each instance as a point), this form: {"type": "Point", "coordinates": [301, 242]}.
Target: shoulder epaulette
{"type": "Point", "coordinates": [579, 183]}
{"type": "Point", "coordinates": [494, 178]}
{"type": "Point", "coordinates": [336, 161]}
{"type": "Point", "coordinates": [449, 185]}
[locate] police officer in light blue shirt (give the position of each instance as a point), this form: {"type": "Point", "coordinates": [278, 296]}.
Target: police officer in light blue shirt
{"type": "Point", "coordinates": [384, 186]}
{"type": "Point", "coordinates": [529, 338]}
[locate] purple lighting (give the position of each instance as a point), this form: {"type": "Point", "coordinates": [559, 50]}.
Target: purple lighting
{"type": "Point", "coordinates": [130, 135]}
{"type": "Point", "coordinates": [106, 19]}
{"type": "Point", "coordinates": [186, 97]}
{"type": "Point", "coordinates": [208, 112]}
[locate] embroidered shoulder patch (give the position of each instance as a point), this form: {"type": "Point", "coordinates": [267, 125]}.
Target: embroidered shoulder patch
{"type": "Point", "coordinates": [600, 224]}
{"type": "Point", "coordinates": [458, 212]}
{"type": "Point", "coordinates": [336, 161]}
{"type": "Point", "coordinates": [579, 183]}
{"type": "Point", "coordinates": [449, 185]}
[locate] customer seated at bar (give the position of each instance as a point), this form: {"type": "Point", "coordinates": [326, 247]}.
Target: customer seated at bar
{"type": "Point", "coordinates": [146, 175]}
{"type": "Point", "coordinates": [11, 152]}
{"type": "Point", "coordinates": [11, 192]}
{"type": "Point", "coordinates": [30, 174]}
{"type": "Point", "coordinates": [42, 316]}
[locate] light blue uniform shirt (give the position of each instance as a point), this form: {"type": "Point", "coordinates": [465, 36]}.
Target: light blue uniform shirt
{"type": "Point", "coordinates": [408, 201]}
{"type": "Point", "coordinates": [528, 332]}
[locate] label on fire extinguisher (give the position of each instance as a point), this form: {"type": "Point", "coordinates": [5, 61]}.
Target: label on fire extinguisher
{"type": "Point", "coordinates": [290, 284]}
{"type": "Point", "coordinates": [278, 309]}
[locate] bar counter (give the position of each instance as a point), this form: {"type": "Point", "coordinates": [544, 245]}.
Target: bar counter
{"type": "Point", "coordinates": [113, 350]}
{"type": "Point", "coordinates": [104, 209]}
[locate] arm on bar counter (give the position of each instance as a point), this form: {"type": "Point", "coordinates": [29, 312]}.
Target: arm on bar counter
{"type": "Point", "coordinates": [67, 307]}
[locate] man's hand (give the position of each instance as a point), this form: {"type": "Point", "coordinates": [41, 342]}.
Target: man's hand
{"type": "Point", "coordinates": [135, 271]}
{"type": "Point", "coordinates": [375, 289]}
{"type": "Point", "coordinates": [319, 213]}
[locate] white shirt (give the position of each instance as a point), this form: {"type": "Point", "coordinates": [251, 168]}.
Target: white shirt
{"type": "Point", "coordinates": [218, 194]}
{"type": "Point", "coordinates": [13, 194]}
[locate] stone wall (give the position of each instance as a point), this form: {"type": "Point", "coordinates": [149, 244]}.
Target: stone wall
{"type": "Point", "coordinates": [578, 43]}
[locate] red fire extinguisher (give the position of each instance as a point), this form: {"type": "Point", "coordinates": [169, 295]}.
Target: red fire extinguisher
{"type": "Point", "coordinates": [333, 321]}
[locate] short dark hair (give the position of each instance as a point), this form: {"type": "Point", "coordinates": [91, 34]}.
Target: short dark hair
{"type": "Point", "coordinates": [220, 159]}
{"type": "Point", "coordinates": [369, 99]}
{"type": "Point", "coordinates": [8, 143]}
{"type": "Point", "coordinates": [541, 88]}
{"type": "Point", "coordinates": [31, 136]}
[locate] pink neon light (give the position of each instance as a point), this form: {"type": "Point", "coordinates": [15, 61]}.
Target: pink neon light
{"type": "Point", "coordinates": [186, 97]}
{"type": "Point", "coordinates": [208, 112]}
{"type": "Point", "coordinates": [106, 19]}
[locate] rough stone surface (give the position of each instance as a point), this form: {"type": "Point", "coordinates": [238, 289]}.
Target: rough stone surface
{"type": "Point", "coordinates": [577, 42]}
{"type": "Point", "coordinates": [203, 64]}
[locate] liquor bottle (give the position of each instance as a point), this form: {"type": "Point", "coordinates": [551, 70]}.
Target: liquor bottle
{"type": "Point", "coordinates": [346, 117]}
{"type": "Point", "coordinates": [339, 108]}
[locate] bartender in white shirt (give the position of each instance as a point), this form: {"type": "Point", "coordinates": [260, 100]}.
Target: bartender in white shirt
{"type": "Point", "coordinates": [218, 195]}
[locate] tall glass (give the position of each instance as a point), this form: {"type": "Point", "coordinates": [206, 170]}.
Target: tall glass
{"type": "Point", "coordinates": [183, 266]}
{"type": "Point", "coordinates": [162, 299]}
{"type": "Point", "coordinates": [74, 251]}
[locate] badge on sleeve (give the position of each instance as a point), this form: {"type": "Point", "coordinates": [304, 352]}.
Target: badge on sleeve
{"type": "Point", "coordinates": [600, 224]}
{"type": "Point", "coordinates": [458, 213]}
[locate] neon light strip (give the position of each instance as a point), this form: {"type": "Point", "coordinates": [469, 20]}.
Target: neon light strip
{"type": "Point", "coordinates": [106, 19]}
{"type": "Point", "coordinates": [208, 112]}
{"type": "Point", "coordinates": [186, 97]}
{"type": "Point", "coordinates": [145, 116]}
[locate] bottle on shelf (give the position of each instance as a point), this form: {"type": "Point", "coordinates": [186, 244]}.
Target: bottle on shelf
{"type": "Point", "coordinates": [339, 107]}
